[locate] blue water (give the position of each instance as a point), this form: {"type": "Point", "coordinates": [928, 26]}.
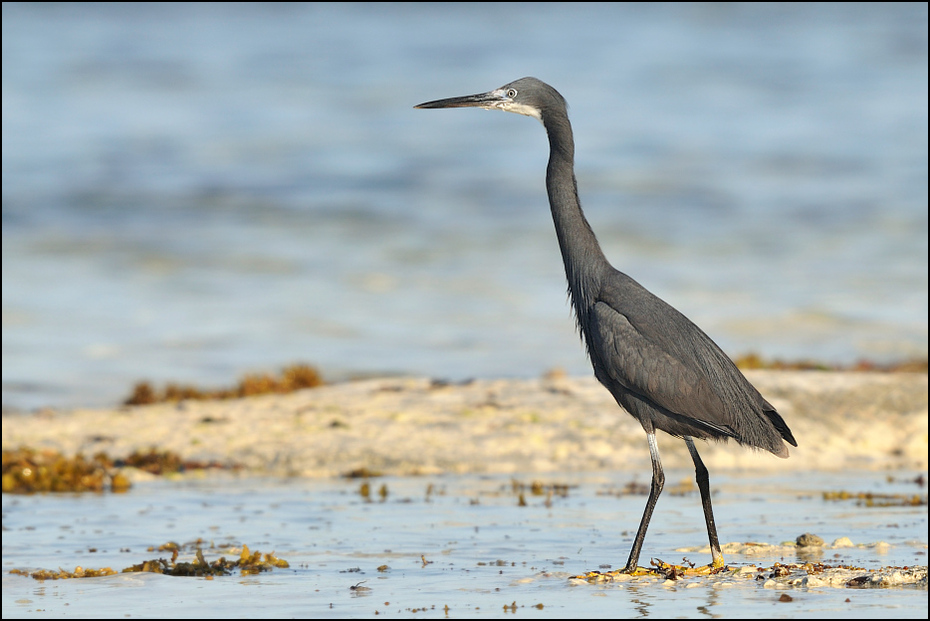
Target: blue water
{"type": "Point", "coordinates": [193, 192]}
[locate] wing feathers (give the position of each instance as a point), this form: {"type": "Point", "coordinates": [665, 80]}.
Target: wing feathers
{"type": "Point", "coordinates": [645, 368]}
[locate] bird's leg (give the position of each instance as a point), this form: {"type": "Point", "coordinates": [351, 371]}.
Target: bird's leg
{"type": "Point", "coordinates": [703, 482]}
{"type": "Point", "coordinates": [658, 481]}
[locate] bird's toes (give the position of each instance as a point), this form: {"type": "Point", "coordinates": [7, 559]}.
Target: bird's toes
{"type": "Point", "coordinates": [613, 575]}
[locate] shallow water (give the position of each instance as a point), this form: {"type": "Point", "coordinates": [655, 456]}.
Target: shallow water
{"type": "Point", "coordinates": [465, 544]}
{"type": "Point", "coordinates": [191, 192]}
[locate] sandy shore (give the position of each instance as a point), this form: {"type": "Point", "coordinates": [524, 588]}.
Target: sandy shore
{"type": "Point", "coordinates": [415, 426]}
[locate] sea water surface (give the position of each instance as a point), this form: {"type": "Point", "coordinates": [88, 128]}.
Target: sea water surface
{"type": "Point", "coordinates": [453, 547]}
{"type": "Point", "coordinates": [191, 192]}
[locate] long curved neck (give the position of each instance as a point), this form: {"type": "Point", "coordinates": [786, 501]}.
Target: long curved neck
{"type": "Point", "coordinates": [581, 254]}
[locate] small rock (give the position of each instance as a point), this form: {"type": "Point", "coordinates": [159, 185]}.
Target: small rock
{"type": "Point", "coordinates": [843, 542]}
{"type": "Point", "coordinates": [808, 540]}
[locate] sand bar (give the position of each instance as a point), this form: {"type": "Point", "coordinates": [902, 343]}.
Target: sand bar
{"type": "Point", "coordinates": [411, 426]}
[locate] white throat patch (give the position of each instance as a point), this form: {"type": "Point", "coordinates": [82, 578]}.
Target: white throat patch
{"type": "Point", "coordinates": [509, 106]}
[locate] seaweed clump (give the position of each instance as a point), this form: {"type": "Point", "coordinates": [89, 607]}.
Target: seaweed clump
{"type": "Point", "coordinates": [292, 378]}
{"type": "Point", "coordinates": [871, 499]}
{"type": "Point", "coordinates": [754, 361]}
{"type": "Point", "coordinates": [61, 574]}
{"type": "Point", "coordinates": [247, 563]}
{"type": "Point", "coordinates": [27, 471]}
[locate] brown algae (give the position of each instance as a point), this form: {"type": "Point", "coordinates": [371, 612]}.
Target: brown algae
{"type": "Point", "coordinates": [292, 378]}
{"type": "Point", "coordinates": [247, 562]}
{"type": "Point", "coordinates": [26, 471]}
{"type": "Point", "coordinates": [753, 361]}
{"type": "Point", "coordinates": [871, 499]}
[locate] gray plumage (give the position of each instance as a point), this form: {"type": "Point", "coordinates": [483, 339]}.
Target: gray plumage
{"type": "Point", "coordinates": [659, 366]}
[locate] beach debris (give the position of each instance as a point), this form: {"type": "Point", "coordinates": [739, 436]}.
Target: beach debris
{"type": "Point", "coordinates": [754, 361]}
{"type": "Point", "coordinates": [26, 471]}
{"type": "Point", "coordinates": [361, 473]}
{"type": "Point", "coordinates": [779, 575]}
{"type": "Point", "coordinates": [873, 500]}
{"type": "Point", "coordinates": [292, 378]}
{"type": "Point", "coordinates": [247, 562]}
{"type": "Point", "coordinates": [61, 574]}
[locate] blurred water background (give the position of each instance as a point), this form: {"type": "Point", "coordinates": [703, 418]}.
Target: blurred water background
{"type": "Point", "coordinates": [191, 192]}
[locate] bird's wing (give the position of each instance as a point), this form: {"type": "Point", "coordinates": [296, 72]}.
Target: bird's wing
{"type": "Point", "coordinates": [648, 366]}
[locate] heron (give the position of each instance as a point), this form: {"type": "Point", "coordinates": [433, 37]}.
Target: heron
{"type": "Point", "coordinates": [658, 365]}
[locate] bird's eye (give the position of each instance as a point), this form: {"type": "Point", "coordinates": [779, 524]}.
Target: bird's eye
{"type": "Point", "coordinates": [512, 93]}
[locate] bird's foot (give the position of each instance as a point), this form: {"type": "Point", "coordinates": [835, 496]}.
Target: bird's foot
{"type": "Point", "coordinates": [659, 568]}
{"type": "Point", "coordinates": [674, 572]}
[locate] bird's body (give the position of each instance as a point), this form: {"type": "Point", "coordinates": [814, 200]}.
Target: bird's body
{"type": "Point", "coordinates": [659, 366]}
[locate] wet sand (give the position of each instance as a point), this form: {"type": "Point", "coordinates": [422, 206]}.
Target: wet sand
{"type": "Point", "coordinates": [416, 426]}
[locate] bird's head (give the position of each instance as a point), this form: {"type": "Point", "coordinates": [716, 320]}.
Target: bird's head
{"type": "Point", "coordinates": [527, 96]}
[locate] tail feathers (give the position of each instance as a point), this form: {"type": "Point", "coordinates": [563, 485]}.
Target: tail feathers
{"type": "Point", "coordinates": [781, 427]}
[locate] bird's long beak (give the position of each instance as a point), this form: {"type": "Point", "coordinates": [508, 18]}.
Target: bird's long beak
{"type": "Point", "coordinates": [489, 101]}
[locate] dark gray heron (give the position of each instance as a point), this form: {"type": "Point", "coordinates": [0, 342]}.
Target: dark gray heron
{"type": "Point", "coordinates": [658, 365]}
